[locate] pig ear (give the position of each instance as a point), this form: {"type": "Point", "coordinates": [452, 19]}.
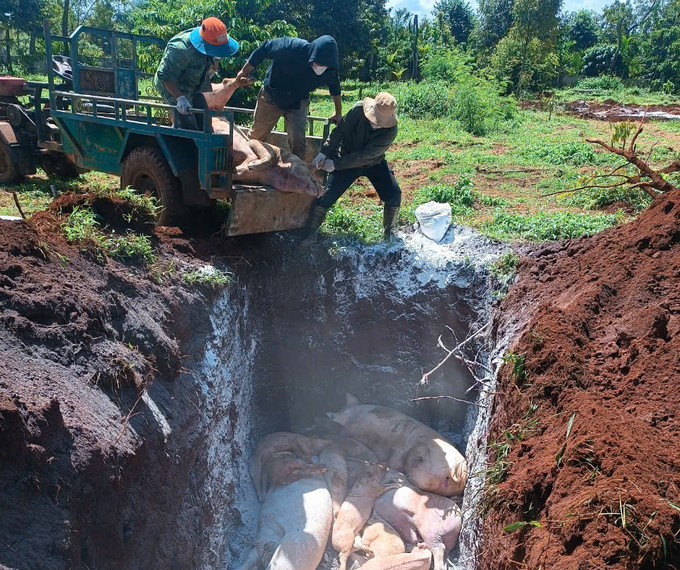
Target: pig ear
{"type": "Point", "coordinates": [351, 399]}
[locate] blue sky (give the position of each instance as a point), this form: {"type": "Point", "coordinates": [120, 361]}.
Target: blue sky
{"type": "Point", "coordinates": [424, 7]}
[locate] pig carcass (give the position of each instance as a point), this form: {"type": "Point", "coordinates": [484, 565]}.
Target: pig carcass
{"type": "Point", "coordinates": [430, 462]}
{"type": "Point", "coordinates": [293, 527]}
{"type": "Point", "coordinates": [260, 163]}
{"type": "Point", "coordinates": [417, 515]}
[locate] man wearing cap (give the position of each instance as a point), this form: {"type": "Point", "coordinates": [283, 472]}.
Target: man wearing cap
{"type": "Point", "coordinates": [189, 61]}
{"type": "Point", "coordinates": [355, 148]}
{"type": "Point", "coordinates": [297, 68]}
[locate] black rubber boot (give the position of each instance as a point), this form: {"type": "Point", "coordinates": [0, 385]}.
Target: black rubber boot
{"type": "Point", "coordinates": [390, 217]}
{"type": "Point", "coordinates": [316, 216]}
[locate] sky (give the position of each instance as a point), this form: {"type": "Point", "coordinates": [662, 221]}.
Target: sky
{"type": "Point", "coordinates": [424, 7]}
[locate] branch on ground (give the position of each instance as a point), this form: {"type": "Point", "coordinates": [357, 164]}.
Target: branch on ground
{"type": "Point", "coordinates": [648, 179]}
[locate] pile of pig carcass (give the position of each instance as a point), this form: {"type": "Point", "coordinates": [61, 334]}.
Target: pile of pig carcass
{"type": "Point", "coordinates": [379, 486]}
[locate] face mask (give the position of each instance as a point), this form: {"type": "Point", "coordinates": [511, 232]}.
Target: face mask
{"type": "Point", "coordinates": [319, 69]}
{"type": "Point", "coordinates": [374, 127]}
{"type": "Point", "coordinates": [212, 73]}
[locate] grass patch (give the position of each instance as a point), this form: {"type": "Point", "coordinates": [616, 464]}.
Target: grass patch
{"type": "Point", "coordinates": [82, 226]}
{"type": "Point", "coordinates": [209, 277]}
{"type": "Point", "coordinates": [546, 226]}
{"type": "Point", "coordinates": [597, 198]}
{"type": "Point", "coordinates": [345, 220]}
{"type": "Point", "coordinates": [503, 271]}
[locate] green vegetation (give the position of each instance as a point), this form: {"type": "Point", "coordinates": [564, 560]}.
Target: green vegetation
{"type": "Point", "coordinates": [82, 227]}
{"type": "Point", "coordinates": [518, 371]}
{"type": "Point", "coordinates": [209, 277]}
{"type": "Point", "coordinates": [503, 271]}
{"type": "Point", "coordinates": [547, 226]}
{"type": "Point", "coordinates": [519, 525]}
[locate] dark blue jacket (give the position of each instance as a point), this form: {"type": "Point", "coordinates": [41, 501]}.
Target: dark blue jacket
{"type": "Point", "coordinates": [290, 77]}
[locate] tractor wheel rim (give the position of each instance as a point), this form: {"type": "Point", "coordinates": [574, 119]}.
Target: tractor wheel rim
{"type": "Point", "coordinates": [144, 184]}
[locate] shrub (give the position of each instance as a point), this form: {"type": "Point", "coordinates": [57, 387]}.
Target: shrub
{"type": "Point", "coordinates": [602, 59]}
{"type": "Point", "coordinates": [427, 99]}
{"type": "Point", "coordinates": [576, 153]}
{"type": "Point", "coordinates": [130, 247]}
{"type": "Point", "coordinates": [444, 64]}
{"type": "Point", "coordinates": [601, 83]}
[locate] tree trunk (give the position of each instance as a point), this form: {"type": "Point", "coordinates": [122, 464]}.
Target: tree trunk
{"type": "Point", "coordinates": [64, 18]}
{"type": "Point", "coordinates": [31, 51]}
{"type": "Point", "coordinates": [8, 47]}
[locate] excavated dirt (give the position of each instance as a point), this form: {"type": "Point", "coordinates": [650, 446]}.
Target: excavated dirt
{"type": "Point", "coordinates": [84, 462]}
{"type": "Point", "coordinates": [613, 111]}
{"type": "Point", "coordinates": [601, 347]}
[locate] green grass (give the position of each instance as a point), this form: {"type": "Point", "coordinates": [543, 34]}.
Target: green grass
{"type": "Point", "coordinates": [544, 226]}
{"type": "Point", "coordinates": [82, 227]}
{"type": "Point", "coordinates": [208, 277]}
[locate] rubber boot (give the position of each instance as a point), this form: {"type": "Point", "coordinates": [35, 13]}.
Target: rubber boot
{"type": "Point", "coordinates": [390, 217]}
{"type": "Point", "coordinates": [316, 216]}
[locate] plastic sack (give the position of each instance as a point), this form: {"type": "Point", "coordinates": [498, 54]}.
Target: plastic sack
{"type": "Point", "coordinates": [434, 219]}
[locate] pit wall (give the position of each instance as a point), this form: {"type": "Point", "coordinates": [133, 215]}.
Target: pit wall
{"type": "Point", "coordinates": [298, 331]}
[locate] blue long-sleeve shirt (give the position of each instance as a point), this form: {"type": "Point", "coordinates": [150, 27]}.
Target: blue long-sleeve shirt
{"type": "Point", "coordinates": [290, 77]}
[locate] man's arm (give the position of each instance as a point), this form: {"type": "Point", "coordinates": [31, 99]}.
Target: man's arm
{"type": "Point", "coordinates": [336, 96]}
{"type": "Point", "coordinates": [345, 125]}
{"type": "Point", "coordinates": [277, 48]}
{"type": "Point", "coordinates": [370, 152]}
{"type": "Point", "coordinates": [337, 101]}
{"type": "Point", "coordinates": [171, 67]}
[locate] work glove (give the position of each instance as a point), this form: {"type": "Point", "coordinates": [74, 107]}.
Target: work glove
{"type": "Point", "coordinates": [328, 165]}
{"type": "Point", "coordinates": [318, 160]}
{"type": "Point", "coordinates": [183, 105]}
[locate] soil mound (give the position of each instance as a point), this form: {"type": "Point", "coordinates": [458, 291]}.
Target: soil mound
{"type": "Point", "coordinates": [586, 431]}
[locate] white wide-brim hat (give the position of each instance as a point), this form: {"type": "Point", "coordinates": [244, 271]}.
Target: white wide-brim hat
{"type": "Point", "coordinates": [381, 111]}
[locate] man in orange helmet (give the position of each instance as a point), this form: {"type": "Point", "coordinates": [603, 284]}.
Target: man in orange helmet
{"type": "Point", "coordinates": [189, 61]}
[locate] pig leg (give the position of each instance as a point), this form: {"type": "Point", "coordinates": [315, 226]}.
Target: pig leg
{"type": "Point", "coordinates": [439, 555]}
{"type": "Point", "coordinates": [267, 156]}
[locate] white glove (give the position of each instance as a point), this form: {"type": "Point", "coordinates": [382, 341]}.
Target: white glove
{"type": "Point", "coordinates": [328, 165]}
{"type": "Point", "coordinates": [183, 105]}
{"type": "Point", "coordinates": [318, 160]}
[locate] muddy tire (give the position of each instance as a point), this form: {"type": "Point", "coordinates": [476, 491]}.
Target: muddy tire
{"type": "Point", "coordinates": [9, 173]}
{"type": "Point", "coordinates": [147, 171]}
{"type": "Point", "coordinates": [58, 165]}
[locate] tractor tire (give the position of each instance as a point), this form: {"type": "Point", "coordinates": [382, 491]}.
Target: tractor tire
{"type": "Point", "coordinates": [55, 164]}
{"type": "Point", "coordinates": [9, 173]}
{"type": "Point", "coordinates": [146, 170]}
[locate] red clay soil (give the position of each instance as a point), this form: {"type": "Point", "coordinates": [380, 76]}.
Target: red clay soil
{"type": "Point", "coordinates": [601, 348]}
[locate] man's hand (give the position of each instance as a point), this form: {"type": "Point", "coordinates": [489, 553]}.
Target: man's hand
{"type": "Point", "coordinates": [328, 165]}
{"type": "Point", "coordinates": [245, 71]}
{"type": "Point", "coordinates": [318, 160]}
{"type": "Point", "coordinates": [183, 104]}
{"type": "Point", "coordinates": [244, 80]}
{"type": "Point", "coordinates": [335, 118]}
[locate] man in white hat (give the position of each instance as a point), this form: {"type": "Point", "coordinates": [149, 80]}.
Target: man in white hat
{"type": "Point", "coordinates": [355, 148]}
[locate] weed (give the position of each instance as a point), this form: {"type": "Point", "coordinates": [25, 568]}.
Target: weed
{"type": "Point", "coordinates": [460, 195]}
{"type": "Point", "coordinates": [345, 220]}
{"type": "Point", "coordinates": [504, 269]}
{"type": "Point", "coordinates": [497, 472]}
{"type": "Point", "coordinates": [209, 277]}
{"type": "Point", "coordinates": [130, 247]}
{"type": "Point", "coordinates": [146, 204]}
{"type": "Point", "coordinates": [159, 272]}
{"type": "Point", "coordinates": [583, 456]}
{"type": "Point", "coordinates": [512, 527]}
{"type": "Point", "coordinates": [574, 153]}
{"type": "Point", "coordinates": [560, 453]}
{"type": "Point", "coordinates": [537, 338]}
{"type": "Point", "coordinates": [81, 226]}
{"type": "Point", "coordinates": [518, 371]}
{"type": "Point", "coordinates": [547, 226]}
{"type": "Point", "coordinates": [626, 517]}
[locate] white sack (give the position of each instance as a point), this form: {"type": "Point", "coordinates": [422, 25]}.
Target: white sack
{"type": "Point", "coordinates": [434, 219]}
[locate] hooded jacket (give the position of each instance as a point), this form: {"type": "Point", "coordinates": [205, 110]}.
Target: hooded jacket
{"type": "Point", "coordinates": [290, 77]}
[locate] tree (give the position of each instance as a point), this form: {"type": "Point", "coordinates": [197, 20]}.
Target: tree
{"type": "Point", "coordinates": [582, 28]}
{"type": "Point", "coordinates": [621, 19]}
{"type": "Point", "coordinates": [15, 16]}
{"type": "Point", "coordinates": [495, 20]}
{"type": "Point", "coordinates": [458, 15]}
